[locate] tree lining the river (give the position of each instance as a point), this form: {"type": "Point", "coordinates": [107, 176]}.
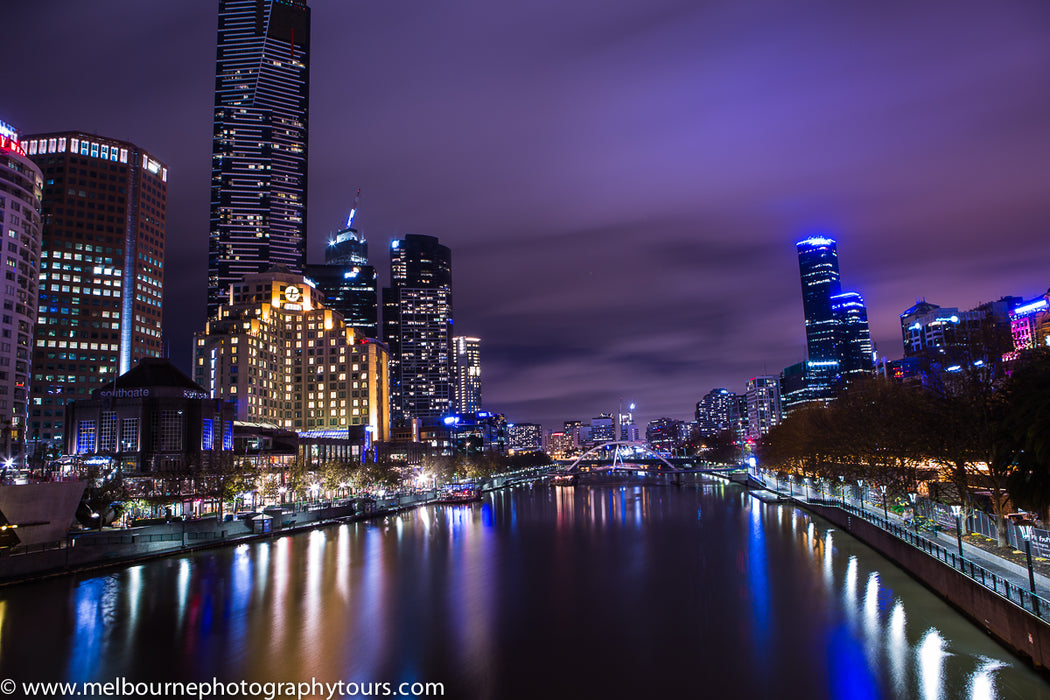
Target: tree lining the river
{"type": "Point", "coordinates": [986, 433]}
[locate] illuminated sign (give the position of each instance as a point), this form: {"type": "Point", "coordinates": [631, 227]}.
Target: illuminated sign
{"type": "Point", "coordinates": [10, 143]}
{"type": "Point", "coordinates": [8, 131]}
{"type": "Point", "coordinates": [353, 273]}
{"type": "Point", "coordinates": [1031, 307]}
{"type": "Point", "coordinates": [292, 293]}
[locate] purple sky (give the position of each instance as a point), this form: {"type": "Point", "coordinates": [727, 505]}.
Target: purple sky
{"type": "Point", "coordinates": [621, 182]}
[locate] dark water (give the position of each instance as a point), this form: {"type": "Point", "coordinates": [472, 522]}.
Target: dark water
{"type": "Point", "coordinates": [595, 591]}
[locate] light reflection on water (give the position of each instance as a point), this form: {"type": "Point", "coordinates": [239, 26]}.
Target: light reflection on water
{"type": "Point", "coordinates": [625, 590]}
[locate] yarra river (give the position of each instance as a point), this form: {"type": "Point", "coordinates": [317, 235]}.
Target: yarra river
{"type": "Point", "coordinates": [603, 590]}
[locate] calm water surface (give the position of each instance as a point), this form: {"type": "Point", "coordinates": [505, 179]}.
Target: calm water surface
{"type": "Point", "coordinates": [612, 591]}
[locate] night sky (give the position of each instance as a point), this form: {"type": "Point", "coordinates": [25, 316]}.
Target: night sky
{"type": "Point", "coordinates": [621, 182]}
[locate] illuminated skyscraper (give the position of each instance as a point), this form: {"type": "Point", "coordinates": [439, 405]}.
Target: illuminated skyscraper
{"type": "Point", "coordinates": [349, 283]}
{"type": "Point", "coordinates": [259, 149]}
{"type": "Point", "coordinates": [712, 412]}
{"type": "Point", "coordinates": [468, 374]}
{"type": "Point", "coordinates": [101, 268]}
{"type": "Point", "coordinates": [285, 359]}
{"type": "Point", "coordinates": [417, 326]}
{"type": "Point", "coordinates": [837, 336]}
{"type": "Point", "coordinates": [763, 405]}
{"type": "Point", "coordinates": [21, 188]}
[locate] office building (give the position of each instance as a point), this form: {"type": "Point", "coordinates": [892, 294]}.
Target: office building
{"type": "Point", "coordinates": [838, 342]}
{"type": "Point", "coordinates": [259, 147]}
{"type": "Point", "coordinates": [348, 282]}
{"type": "Point", "coordinates": [665, 434]}
{"type": "Point", "coordinates": [417, 326]}
{"type": "Point", "coordinates": [468, 373]}
{"type": "Point", "coordinates": [477, 433]}
{"type": "Point", "coordinates": [561, 445]}
{"type": "Point", "coordinates": [21, 193]}
{"type": "Point", "coordinates": [285, 359]}
{"type": "Point", "coordinates": [524, 437]}
{"type": "Point", "coordinates": [763, 405]}
{"type": "Point", "coordinates": [101, 269]}
{"type": "Point", "coordinates": [946, 336]}
{"type": "Point", "coordinates": [602, 429]}
{"type": "Point", "coordinates": [1030, 324]}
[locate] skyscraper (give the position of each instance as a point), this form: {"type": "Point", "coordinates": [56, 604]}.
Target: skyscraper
{"type": "Point", "coordinates": [21, 188]}
{"type": "Point", "coordinates": [349, 283]}
{"type": "Point", "coordinates": [712, 412]}
{"type": "Point", "coordinates": [417, 326]}
{"type": "Point", "coordinates": [763, 405]}
{"type": "Point", "coordinates": [837, 336]}
{"type": "Point", "coordinates": [468, 374]}
{"type": "Point", "coordinates": [101, 268]}
{"type": "Point", "coordinates": [259, 149]}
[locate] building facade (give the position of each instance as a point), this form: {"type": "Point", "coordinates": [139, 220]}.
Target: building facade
{"type": "Point", "coordinates": [21, 194]}
{"type": "Point", "coordinates": [665, 434]}
{"type": "Point", "coordinates": [417, 327]}
{"type": "Point", "coordinates": [838, 341]}
{"type": "Point", "coordinates": [151, 420]}
{"type": "Point", "coordinates": [948, 336]}
{"type": "Point", "coordinates": [283, 358]}
{"type": "Point", "coordinates": [101, 269]}
{"type": "Point", "coordinates": [1030, 324]}
{"type": "Point", "coordinates": [712, 412]}
{"type": "Point", "coordinates": [468, 373]}
{"type": "Point", "coordinates": [259, 147]}
{"type": "Point", "coordinates": [349, 283]}
{"type": "Point", "coordinates": [763, 405]}
{"type": "Point", "coordinates": [524, 437]}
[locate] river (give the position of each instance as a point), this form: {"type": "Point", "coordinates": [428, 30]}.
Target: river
{"type": "Point", "coordinates": [603, 590]}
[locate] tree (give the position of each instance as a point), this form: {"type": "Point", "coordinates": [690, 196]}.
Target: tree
{"type": "Point", "coordinates": [1026, 431]}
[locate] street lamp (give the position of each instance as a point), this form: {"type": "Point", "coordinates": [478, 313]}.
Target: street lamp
{"type": "Point", "coordinates": [957, 512]}
{"type": "Point", "coordinates": [1026, 532]}
{"type": "Point", "coordinates": [842, 485]}
{"type": "Point", "coordinates": [860, 493]}
{"type": "Point", "coordinates": [913, 497]}
{"type": "Point", "coordinates": [885, 513]}
{"type": "Point", "coordinates": [809, 494]}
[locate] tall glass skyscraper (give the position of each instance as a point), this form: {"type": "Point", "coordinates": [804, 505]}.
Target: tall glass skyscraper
{"type": "Point", "coordinates": [837, 337]}
{"type": "Point", "coordinates": [349, 283]}
{"type": "Point", "coordinates": [259, 152]}
{"type": "Point", "coordinates": [417, 326]}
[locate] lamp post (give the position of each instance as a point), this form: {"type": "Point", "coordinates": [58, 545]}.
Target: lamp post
{"type": "Point", "coordinates": [885, 512]}
{"type": "Point", "coordinates": [860, 493]}
{"type": "Point", "coordinates": [791, 485]}
{"type": "Point", "coordinates": [809, 494]}
{"type": "Point", "coordinates": [1026, 532]}
{"type": "Point", "coordinates": [842, 486]}
{"type": "Point", "coordinates": [957, 512]}
{"type": "Point", "coordinates": [914, 497]}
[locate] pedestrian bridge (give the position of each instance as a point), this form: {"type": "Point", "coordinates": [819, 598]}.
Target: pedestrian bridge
{"type": "Point", "coordinates": [631, 455]}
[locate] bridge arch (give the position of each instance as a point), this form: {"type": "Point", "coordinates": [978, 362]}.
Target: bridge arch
{"type": "Point", "coordinates": [616, 446]}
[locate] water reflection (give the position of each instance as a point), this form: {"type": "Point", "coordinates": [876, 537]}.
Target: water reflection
{"type": "Point", "coordinates": [619, 590]}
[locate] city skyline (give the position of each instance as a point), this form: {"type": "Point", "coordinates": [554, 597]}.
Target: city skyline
{"type": "Point", "coordinates": [622, 205]}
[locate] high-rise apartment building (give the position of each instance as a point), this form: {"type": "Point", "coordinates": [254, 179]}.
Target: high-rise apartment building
{"type": "Point", "coordinates": [763, 405]}
{"type": "Point", "coordinates": [712, 412]}
{"type": "Point", "coordinates": [838, 340]}
{"type": "Point", "coordinates": [285, 359]}
{"type": "Point", "coordinates": [259, 148]}
{"type": "Point", "coordinates": [468, 373]}
{"type": "Point", "coordinates": [417, 326]}
{"type": "Point", "coordinates": [349, 283]}
{"type": "Point", "coordinates": [21, 192]}
{"type": "Point", "coordinates": [101, 268]}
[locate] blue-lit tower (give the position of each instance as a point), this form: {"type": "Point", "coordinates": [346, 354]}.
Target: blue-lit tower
{"type": "Point", "coordinates": [349, 283]}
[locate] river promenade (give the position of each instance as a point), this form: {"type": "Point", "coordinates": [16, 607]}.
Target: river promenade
{"type": "Point", "coordinates": [96, 549]}
{"type": "Point", "coordinates": [993, 592]}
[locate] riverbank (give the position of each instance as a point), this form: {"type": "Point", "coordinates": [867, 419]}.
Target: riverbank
{"type": "Point", "coordinates": [109, 548]}
{"type": "Point", "coordinates": [983, 592]}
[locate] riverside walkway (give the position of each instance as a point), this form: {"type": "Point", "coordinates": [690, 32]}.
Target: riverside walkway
{"type": "Point", "coordinates": [1001, 576]}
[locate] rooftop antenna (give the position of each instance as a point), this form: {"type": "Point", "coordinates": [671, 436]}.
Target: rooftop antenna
{"type": "Point", "coordinates": [353, 209]}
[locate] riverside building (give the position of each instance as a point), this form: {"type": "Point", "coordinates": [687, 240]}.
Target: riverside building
{"type": "Point", "coordinates": [101, 269]}
{"type": "Point", "coordinates": [21, 191]}
{"type": "Point", "coordinates": [285, 359]}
